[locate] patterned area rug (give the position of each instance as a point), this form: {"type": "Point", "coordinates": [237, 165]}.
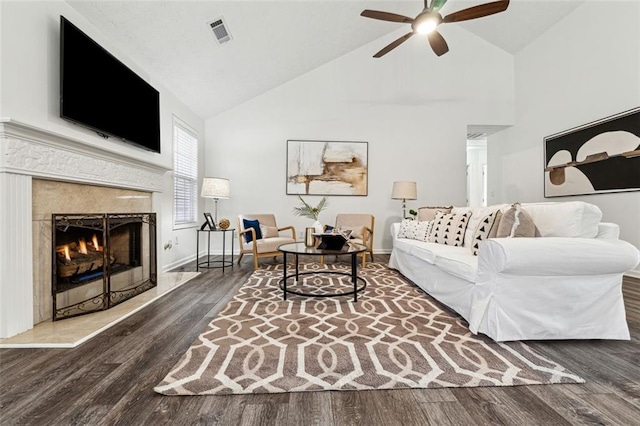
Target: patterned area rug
{"type": "Point", "coordinates": [393, 337]}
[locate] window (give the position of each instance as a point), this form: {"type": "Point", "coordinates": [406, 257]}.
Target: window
{"type": "Point", "coordinates": [185, 175]}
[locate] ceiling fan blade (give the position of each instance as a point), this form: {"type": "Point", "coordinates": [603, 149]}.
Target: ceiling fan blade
{"type": "Point", "coordinates": [477, 11]}
{"type": "Point", "coordinates": [393, 45]}
{"type": "Point", "coordinates": [436, 5]}
{"type": "Point", "coordinates": [438, 44]}
{"type": "Point", "coordinates": [386, 16]}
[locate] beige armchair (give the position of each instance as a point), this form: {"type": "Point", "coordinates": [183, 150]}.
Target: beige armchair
{"type": "Point", "coordinates": [361, 226]}
{"type": "Point", "coordinates": [267, 246]}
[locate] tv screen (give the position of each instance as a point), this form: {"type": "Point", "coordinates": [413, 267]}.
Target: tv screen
{"type": "Point", "coordinates": [101, 93]}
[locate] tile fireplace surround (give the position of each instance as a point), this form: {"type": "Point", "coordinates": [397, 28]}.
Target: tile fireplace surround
{"type": "Point", "coordinates": [41, 173]}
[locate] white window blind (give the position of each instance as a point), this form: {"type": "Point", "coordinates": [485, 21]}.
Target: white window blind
{"type": "Point", "coordinates": [185, 175]}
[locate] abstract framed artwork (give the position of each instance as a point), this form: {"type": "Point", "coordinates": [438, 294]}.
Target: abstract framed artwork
{"type": "Point", "coordinates": [602, 156]}
{"type": "Point", "coordinates": [327, 167]}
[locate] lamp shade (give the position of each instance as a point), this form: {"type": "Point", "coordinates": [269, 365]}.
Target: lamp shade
{"type": "Point", "coordinates": [404, 191]}
{"type": "Point", "coordinates": [213, 187]}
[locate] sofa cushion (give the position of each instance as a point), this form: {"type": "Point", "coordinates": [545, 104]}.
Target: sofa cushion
{"type": "Point", "coordinates": [404, 245]}
{"type": "Point", "coordinates": [430, 251]}
{"type": "Point", "coordinates": [449, 228]}
{"type": "Point", "coordinates": [487, 226]}
{"type": "Point", "coordinates": [516, 222]}
{"type": "Point", "coordinates": [575, 219]}
{"type": "Point", "coordinates": [461, 264]}
{"type": "Point", "coordinates": [269, 245]}
{"type": "Point", "coordinates": [426, 214]}
{"type": "Point", "coordinates": [357, 241]}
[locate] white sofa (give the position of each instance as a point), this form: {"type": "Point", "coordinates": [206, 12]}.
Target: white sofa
{"type": "Point", "coordinates": [565, 284]}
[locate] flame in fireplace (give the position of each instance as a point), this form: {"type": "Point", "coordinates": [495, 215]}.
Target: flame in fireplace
{"type": "Point", "coordinates": [67, 255]}
{"type": "Point", "coordinates": [96, 247]}
{"type": "Point", "coordinates": [83, 246]}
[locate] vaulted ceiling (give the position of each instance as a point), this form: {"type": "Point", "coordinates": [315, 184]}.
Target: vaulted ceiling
{"type": "Point", "coordinates": [276, 41]}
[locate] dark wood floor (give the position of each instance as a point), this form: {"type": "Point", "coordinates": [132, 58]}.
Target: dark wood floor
{"type": "Point", "coordinates": [109, 379]}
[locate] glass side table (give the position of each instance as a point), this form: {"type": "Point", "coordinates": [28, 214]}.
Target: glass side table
{"type": "Point", "coordinates": [213, 263]}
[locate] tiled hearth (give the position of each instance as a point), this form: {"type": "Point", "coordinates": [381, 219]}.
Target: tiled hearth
{"type": "Point", "coordinates": [41, 173]}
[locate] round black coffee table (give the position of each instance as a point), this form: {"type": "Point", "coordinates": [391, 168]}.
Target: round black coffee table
{"type": "Point", "coordinates": [300, 249]}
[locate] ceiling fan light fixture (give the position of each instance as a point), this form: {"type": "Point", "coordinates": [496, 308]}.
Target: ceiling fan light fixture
{"type": "Point", "coordinates": [426, 26]}
{"type": "Point", "coordinates": [430, 18]}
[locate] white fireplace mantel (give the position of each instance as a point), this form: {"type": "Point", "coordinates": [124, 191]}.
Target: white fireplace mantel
{"type": "Point", "coordinates": [28, 152]}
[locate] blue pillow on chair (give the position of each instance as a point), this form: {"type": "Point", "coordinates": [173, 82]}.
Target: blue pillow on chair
{"type": "Point", "coordinates": [248, 223]}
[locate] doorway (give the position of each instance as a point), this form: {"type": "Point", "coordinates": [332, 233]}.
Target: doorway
{"type": "Point", "coordinates": [477, 172]}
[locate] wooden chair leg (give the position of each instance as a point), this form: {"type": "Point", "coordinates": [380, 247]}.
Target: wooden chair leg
{"type": "Point", "coordinates": [240, 257]}
{"type": "Point", "coordinates": [322, 260]}
{"type": "Point", "coordinates": [255, 262]}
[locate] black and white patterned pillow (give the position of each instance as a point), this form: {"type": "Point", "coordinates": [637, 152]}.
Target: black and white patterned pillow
{"type": "Point", "coordinates": [406, 228]}
{"type": "Point", "coordinates": [422, 230]}
{"type": "Point", "coordinates": [449, 228]}
{"type": "Point", "coordinates": [483, 230]}
{"type": "Point", "coordinates": [414, 230]}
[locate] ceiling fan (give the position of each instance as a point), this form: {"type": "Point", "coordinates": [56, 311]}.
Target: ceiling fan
{"type": "Point", "coordinates": [428, 20]}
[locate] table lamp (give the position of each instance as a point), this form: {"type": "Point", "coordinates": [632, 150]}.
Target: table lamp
{"type": "Point", "coordinates": [216, 188]}
{"type": "Point", "coordinates": [404, 191]}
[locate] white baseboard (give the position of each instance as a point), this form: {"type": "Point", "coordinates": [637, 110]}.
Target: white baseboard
{"type": "Point", "coordinates": [177, 263]}
{"type": "Point", "coordinates": [382, 251]}
{"type": "Point", "coordinates": [185, 260]}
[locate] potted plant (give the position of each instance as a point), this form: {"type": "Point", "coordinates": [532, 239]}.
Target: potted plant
{"type": "Point", "coordinates": [306, 210]}
{"type": "Point", "coordinates": [413, 214]}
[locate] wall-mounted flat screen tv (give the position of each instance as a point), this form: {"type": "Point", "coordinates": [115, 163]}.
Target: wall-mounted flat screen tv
{"type": "Point", "coordinates": [100, 92]}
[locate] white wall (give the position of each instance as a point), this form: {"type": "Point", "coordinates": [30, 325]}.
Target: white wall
{"type": "Point", "coordinates": [584, 68]}
{"type": "Point", "coordinates": [1, 43]}
{"type": "Point", "coordinates": [29, 84]}
{"type": "Point", "coordinates": [410, 106]}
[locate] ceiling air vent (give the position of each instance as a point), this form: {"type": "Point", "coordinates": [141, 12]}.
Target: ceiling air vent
{"type": "Point", "coordinates": [220, 31]}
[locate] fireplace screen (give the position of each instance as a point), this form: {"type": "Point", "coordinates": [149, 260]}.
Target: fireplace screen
{"type": "Point", "coordinates": [100, 260]}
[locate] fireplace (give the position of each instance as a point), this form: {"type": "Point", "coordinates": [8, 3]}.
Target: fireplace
{"type": "Point", "coordinates": [101, 260]}
{"type": "Point", "coordinates": [43, 171]}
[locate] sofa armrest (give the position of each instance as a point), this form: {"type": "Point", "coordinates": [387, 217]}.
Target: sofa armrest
{"type": "Point", "coordinates": [395, 227]}
{"type": "Point", "coordinates": [290, 227]}
{"type": "Point", "coordinates": [367, 237]}
{"type": "Point", "coordinates": [556, 256]}
{"type": "Point", "coordinates": [248, 231]}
